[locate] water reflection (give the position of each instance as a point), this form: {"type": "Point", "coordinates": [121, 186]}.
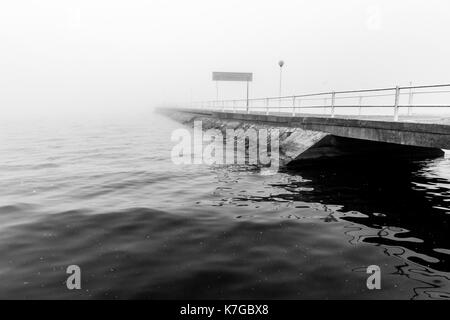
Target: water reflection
{"type": "Point", "coordinates": [407, 202]}
{"type": "Point", "coordinates": [402, 207]}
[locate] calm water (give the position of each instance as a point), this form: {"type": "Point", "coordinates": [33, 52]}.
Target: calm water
{"type": "Point", "coordinates": [105, 195]}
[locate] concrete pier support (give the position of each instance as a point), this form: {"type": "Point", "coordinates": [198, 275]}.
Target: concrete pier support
{"type": "Point", "coordinates": [337, 148]}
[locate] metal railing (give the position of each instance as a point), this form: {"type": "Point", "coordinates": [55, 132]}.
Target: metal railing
{"type": "Point", "coordinates": [305, 103]}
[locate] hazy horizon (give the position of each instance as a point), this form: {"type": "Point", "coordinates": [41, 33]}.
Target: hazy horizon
{"type": "Point", "coordinates": [96, 57]}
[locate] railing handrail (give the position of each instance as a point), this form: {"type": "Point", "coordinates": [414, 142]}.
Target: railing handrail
{"type": "Point", "coordinates": [328, 93]}
{"type": "Point", "coordinates": [330, 98]}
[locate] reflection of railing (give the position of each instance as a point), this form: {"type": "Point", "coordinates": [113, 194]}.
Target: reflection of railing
{"type": "Point", "coordinates": [305, 103]}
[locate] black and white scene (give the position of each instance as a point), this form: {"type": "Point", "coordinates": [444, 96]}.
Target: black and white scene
{"type": "Point", "coordinates": [216, 150]}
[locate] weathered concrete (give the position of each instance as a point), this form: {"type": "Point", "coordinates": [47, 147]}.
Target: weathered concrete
{"type": "Point", "coordinates": [306, 138]}
{"type": "Point", "coordinates": [405, 133]}
{"type": "Point", "coordinates": [292, 141]}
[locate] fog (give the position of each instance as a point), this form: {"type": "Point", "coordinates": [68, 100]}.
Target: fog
{"type": "Point", "coordinates": [102, 56]}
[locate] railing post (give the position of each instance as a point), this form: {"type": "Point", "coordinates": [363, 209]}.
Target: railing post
{"type": "Point", "coordinates": [396, 106]}
{"type": "Point", "coordinates": [333, 98]}
{"type": "Point", "coordinates": [267, 106]}
{"type": "Point", "coordinates": [293, 106]}
{"type": "Point", "coordinates": [410, 100]}
{"type": "Point", "coordinates": [299, 105]}
{"type": "Point", "coordinates": [360, 105]}
{"type": "Point", "coordinates": [248, 107]}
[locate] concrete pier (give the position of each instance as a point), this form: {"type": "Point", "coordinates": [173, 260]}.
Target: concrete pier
{"type": "Point", "coordinates": [340, 137]}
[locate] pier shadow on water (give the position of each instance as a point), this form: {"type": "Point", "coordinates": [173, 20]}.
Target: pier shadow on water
{"type": "Point", "coordinates": [398, 205]}
{"type": "Point", "coordinates": [406, 201]}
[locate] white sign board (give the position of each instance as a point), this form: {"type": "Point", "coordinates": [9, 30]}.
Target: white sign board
{"type": "Point", "coordinates": [232, 76]}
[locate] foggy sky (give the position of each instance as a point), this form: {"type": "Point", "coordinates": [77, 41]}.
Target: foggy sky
{"type": "Point", "coordinates": [102, 55]}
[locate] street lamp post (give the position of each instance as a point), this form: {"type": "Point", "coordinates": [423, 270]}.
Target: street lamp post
{"type": "Point", "coordinates": [281, 64]}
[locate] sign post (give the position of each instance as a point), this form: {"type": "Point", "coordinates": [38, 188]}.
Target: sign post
{"type": "Point", "coordinates": [247, 100]}
{"type": "Point", "coordinates": [233, 76]}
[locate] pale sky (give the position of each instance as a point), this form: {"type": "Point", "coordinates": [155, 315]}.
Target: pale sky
{"type": "Point", "coordinates": [101, 55]}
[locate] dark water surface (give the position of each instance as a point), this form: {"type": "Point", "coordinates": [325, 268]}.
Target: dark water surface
{"type": "Point", "coordinates": [105, 195]}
